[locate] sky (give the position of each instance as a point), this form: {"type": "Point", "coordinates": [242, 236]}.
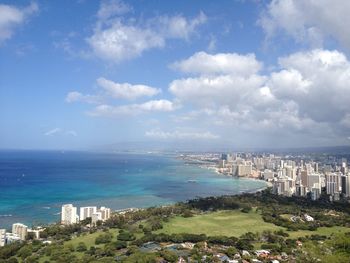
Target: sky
{"type": "Point", "coordinates": [78, 74]}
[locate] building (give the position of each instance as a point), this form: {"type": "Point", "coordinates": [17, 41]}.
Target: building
{"type": "Point", "coordinates": [11, 238]}
{"type": "Point", "coordinates": [2, 237]}
{"type": "Point", "coordinates": [345, 185]}
{"type": "Point", "coordinates": [105, 213]}
{"type": "Point", "coordinates": [69, 215]}
{"type": "Point", "coordinates": [101, 214]}
{"type": "Point", "coordinates": [268, 174]}
{"type": "Point", "coordinates": [313, 179]}
{"type": "Point", "coordinates": [303, 177]}
{"type": "Point", "coordinates": [20, 230]}
{"type": "Point", "coordinates": [96, 217]}
{"type": "Point", "coordinates": [86, 212]}
{"type": "Point", "coordinates": [332, 183]}
{"type": "Point", "coordinates": [243, 169]}
{"type": "Point", "coordinates": [315, 193]}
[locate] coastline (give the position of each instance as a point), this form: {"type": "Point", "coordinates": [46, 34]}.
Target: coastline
{"type": "Point", "coordinates": [164, 183]}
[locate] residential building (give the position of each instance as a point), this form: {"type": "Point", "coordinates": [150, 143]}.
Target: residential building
{"type": "Point", "coordinates": [69, 215]}
{"type": "Point", "coordinates": [87, 211]}
{"type": "Point", "coordinates": [2, 237]}
{"type": "Point", "coordinates": [20, 230]}
{"type": "Point", "coordinates": [332, 183]}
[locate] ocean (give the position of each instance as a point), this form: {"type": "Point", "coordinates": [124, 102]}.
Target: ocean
{"type": "Point", "coordinates": [35, 184]}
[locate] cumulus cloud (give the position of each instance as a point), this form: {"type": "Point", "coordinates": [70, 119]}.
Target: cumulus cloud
{"type": "Point", "coordinates": [120, 42]}
{"type": "Point", "coordinates": [221, 63]}
{"type": "Point", "coordinates": [308, 21]}
{"type": "Point", "coordinates": [223, 78]}
{"type": "Point", "coordinates": [159, 134]}
{"type": "Point", "coordinates": [317, 81]}
{"type": "Point", "coordinates": [134, 109]}
{"type": "Point", "coordinates": [115, 39]}
{"type": "Point", "coordinates": [12, 16]}
{"type": "Point", "coordinates": [126, 90]}
{"type": "Point", "coordinates": [111, 89]}
{"type": "Point", "coordinates": [306, 94]}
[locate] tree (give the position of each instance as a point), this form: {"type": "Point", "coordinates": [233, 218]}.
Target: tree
{"type": "Point", "coordinates": [231, 251]}
{"type": "Point", "coordinates": [81, 247]}
{"type": "Point", "coordinates": [120, 244]}
{"type": "Point", "coordinates": [103, 238]}
{"type": "Point", "coordinates": [125, 236]}
{"type": "Point", "coordinates": [168, 255]}
{"type": "Point", "coordinates": [24, 252]}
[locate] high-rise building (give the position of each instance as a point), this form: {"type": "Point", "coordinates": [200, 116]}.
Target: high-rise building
{"type": "Point", "coordinates": [2, 237]}
{"type": "Point", "coordinates": [344, 168]}
{"type": "Point", "coordinates": [313, 179]}
{"type": "Point", "coordinates": [332, 183]}
{"type": "Point", "coordinates": [303, 177]}
{"type": "Point", "coordinates": [87, 211]}
{"type": "Point", "coordinates": [315, 193]}
{"type": "Point", "coordinates": [69, 215]}
{"type": "Point", "coordinates": [345, 185]}
{"type": "Point", "coordinates": [242, 169]}
{"type": "Point", "coordinates": [101, 214]}
{"type": "Point", "coordinates": [105, 213]}
{"type": "Point", "coordinates": [20, 230]}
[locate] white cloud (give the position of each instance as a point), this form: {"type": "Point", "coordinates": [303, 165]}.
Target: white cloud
{"type": "Point", "coordinates": [317, 81]}
{"type": "Point", "coordinates": [221, 63]}
{"type": "Point", "coordinates": [53, 132]}
{"type": "Point", "coordinates": [159, 134]}
{"type": "Point", "coordinates": [126, 90]}
{"type": "Point", "coordinates": [308, 21]}
{"type": "Point", "coordinates": [110, 8]}
{"type": "Point", "coordinates": [115, 39]}
{"type": "Point", "coordinates": [59, 131]}
{"type": "Point", "coordinates": [134, 109]}
{"type": "Point", "coordinates": [308, 94]}
{"type": "Point", "coordinates": [121, 42]}
{"type": "Point", "coordinates": [75, 96]}
{"type": "Point", "coordinates": [215, 90]}
{"type": "Point", "coordinates": [11, 17]}
{"type": "Point", "coordinates": [177, 26]}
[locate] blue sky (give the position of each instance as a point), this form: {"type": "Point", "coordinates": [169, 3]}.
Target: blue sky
{"type": "Point", "coordinates": [234, 74]}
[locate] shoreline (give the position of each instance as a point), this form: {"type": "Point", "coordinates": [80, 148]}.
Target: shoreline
{"type": "Point", "coordinates": [120, 202]}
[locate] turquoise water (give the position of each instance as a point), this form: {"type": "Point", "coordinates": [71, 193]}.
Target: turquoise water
{"type": "Point", "coordinates": [34, 184]}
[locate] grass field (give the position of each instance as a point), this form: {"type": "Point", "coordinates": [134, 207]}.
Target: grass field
{"type": "Point", "coordinates": [89, 239]}
{"type": "Point", "coordinates": [325, 231]}
{"type": "Point", "coordinates": [235, 223]}
{"type": "Point", "coordinates": [228, 223]}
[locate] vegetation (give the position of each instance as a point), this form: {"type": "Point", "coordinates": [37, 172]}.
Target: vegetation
{"type": "Point", "coordinates": [201, 229]}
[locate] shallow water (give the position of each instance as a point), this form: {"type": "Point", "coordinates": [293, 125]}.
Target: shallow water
{"type": "Point", "coordinates": [34, 184]}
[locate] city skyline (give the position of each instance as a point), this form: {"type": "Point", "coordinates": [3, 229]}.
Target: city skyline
{"type": "Point", "coordinates": [88, 75]}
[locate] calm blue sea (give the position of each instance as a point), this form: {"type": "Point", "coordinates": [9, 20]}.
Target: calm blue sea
{"type": "Point", "coordinates": [34, 184]}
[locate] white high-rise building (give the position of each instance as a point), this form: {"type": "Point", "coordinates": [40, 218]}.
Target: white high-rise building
{"type": "Point", "coordinates": [2, 237]}
{"type": "Point", "coordinates": [105, 213]}
{"type": "Point", "coordinates": [87, 211]}
{"type": "Point", "coordinates": [332, 183]}
{"type": "Point", "coordinates": [20, 230]}
{"type": "Point", "coordinates": [102, 214]}
{"type": "Point", "coordinates": [69, 215]}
